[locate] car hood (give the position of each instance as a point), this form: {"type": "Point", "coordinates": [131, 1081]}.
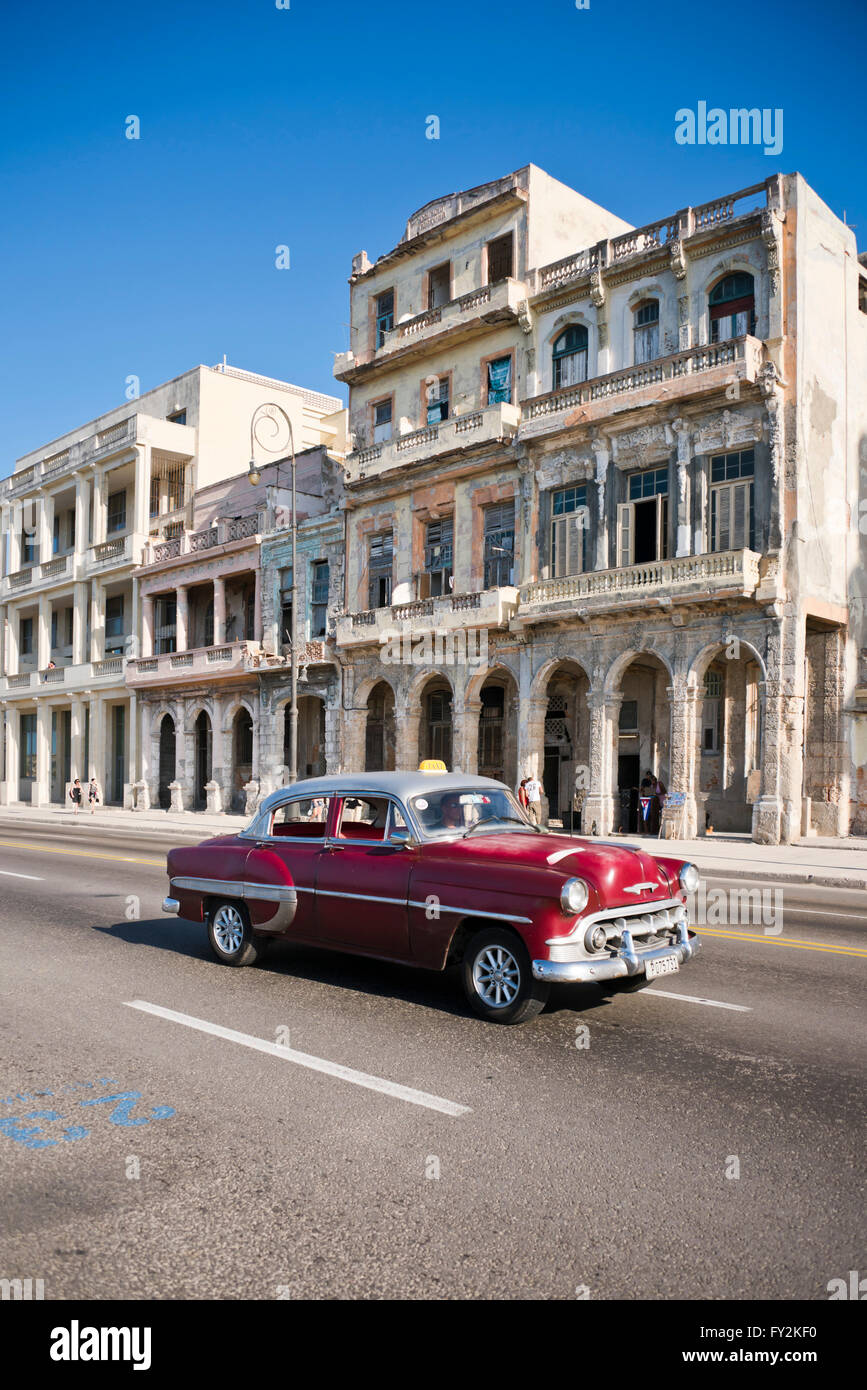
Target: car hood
{"type": "Point", "coordinates": [611, 869]}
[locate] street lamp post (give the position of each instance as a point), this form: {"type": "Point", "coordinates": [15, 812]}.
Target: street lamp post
{"type": "Point", "coordinates": [264, 413]}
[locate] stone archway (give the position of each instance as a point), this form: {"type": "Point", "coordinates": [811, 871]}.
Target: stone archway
{"type": "Point", "coordinates": [728, 735]}
{"type": "Point", "coordinates": [642, 741]}
{"type": "Point", "coordinates": [242, 757]}
{"type": "Point", "coordinates": [204, 755]}
{"type": "Point", "coordinates": [167, 761]}
{"type": "Point", "coordinates": [380, 733]}
{"type": "Point", "coordinates": [497, 745]}
{"type": "Point", "coordinates": [311, 737]}
{"type": "Point", "coordinates": [436, 725]}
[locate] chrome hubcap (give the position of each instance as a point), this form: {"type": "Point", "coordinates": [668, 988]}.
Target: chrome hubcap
{"type": "Point", "coordinates": [496, 977]}
{"type": "Point", "coordinates": [228, 929]}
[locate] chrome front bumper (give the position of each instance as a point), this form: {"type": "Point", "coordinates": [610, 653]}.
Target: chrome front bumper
{"type": "Point", "coordinates": [626, 962]}
{"type": "Point", "coordinates": [171, 905]}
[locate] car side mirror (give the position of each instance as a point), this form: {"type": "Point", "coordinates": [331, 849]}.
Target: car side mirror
{"type": "Point", "coordinates": [400, 838]}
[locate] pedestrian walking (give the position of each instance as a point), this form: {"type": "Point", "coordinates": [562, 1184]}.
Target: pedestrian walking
{"type": "Point", "coordinates": [533, 788]}
{"type": "Point", "coordinates": [523, 800]}
{"type": "Point", "coordinates": [93, 795]}
{"type": "Point", "coordinates": [75, 795]}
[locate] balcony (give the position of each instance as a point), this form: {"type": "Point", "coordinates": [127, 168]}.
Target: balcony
{"type": "Point", "coordinates": [69, 680]}
{"type": "Point", "coordinates": [491, 608]}
{"type": "Point", "coordinates": [111, 554]}
{"type": "Point", "coordinates": [225, 531]}
{"type": "Point", "coordinates": [694, 372]}
{"type": "Point", "coordinates": [494, 424]}
{"type": "Point", "coordinates": [664, 237]}
{"type": "Point", "coordinates": [199, 664]}
{"type": "Point", "coordinates": [120, 438]}
{"type": "Point", "coordinates": [661, 584]}
{"type": "Point", "coordinates": [465, 317]}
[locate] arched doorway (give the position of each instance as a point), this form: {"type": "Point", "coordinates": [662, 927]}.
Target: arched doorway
{"type": "Point", "coordinates": [204, 759]}
{"type": "Point", "coordinates": [311, 737]}
{"type": "Point", "coordinates": [435, 727]}
{"type": "Point", "coordinates": [729, 738]}
{"type": "Point", "coordinates": [498, 740]}
{"type": "Point", "coordinates": [168, 744]}
{"type": "Point", "coordinates": [379, 736]}
{"type": "Point", "coordinates": [566, 745]}
{"type": "Point", "coordinates": [643, 744]}
{"type": "Point", "coordinates": [242, 756]}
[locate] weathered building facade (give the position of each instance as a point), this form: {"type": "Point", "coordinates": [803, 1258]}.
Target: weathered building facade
{"type": "Point", "coordinates": [628, 462]}
{"type": "Point", "coordinates": [130, 575]}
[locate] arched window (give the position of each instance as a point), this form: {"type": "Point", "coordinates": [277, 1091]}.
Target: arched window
{"type": "Point", "coordinates": [732, 304]}
{"type": "Point", "coordinates": [570, 356]}
{"type": "Point", "coordinates": [646, 331]}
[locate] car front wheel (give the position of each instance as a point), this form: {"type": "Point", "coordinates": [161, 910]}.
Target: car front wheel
{"type": "Point", "coordinates": [498, 979]}
{"type": "Point", "coordinates": [231, 937]}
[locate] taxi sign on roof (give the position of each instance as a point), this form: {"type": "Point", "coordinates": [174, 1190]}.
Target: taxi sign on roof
{"type": "Point", "coordinates": [432, 765]}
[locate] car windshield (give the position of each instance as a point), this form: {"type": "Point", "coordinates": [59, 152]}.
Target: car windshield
{"type": "Point", "coordinates": [455, 812]}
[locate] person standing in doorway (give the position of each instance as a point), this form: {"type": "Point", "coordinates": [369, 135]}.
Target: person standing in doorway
{"type": "Point", "coordinates": [93, 795]}
{"type": "Point", "coordinates": [533, 788]}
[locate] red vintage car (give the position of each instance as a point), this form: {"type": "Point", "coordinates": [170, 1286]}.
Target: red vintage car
{"type": "Point", "coordinates": [434, 870]}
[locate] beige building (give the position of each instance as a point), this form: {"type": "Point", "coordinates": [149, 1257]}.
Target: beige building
{"type": "Point", "coordinates": [625, 464]}
{"type": "Point", "coordinates": [79, 516]}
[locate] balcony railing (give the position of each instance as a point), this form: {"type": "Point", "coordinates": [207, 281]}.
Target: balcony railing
{"type": "Point", "coordinates": [488, 608]}
{"type": "Point", "coordinates": [20, 578]}
{"type": "Point", "coordinates": [109, 552]}
{"type": "Point", "coordinates": [468, 314]}
{"type": "Point", "coordinates": [689, 577]}
{"type": "Point", "coordinates": [222, 532]}
{"type": "Point", "coordinates": [51, 568]}
{"type": "Point", "coordinates": [654, 236]}
{"type": "Point", "coordinates": [74, 677]}
{"type": "Point", "coordinates": [739, 356]}
{"type": "Point", "coordinates": [492, 423]}
{"type": "Point", "coordinates": [199, 662]}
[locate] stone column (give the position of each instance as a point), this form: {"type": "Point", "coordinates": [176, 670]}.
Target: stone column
{"type": "Point", "coordinates": [147, 625]}
{"type": "Point", "coordinates": [182, 617]}
{"type": "Point", "coordinates": [42, 786]}
{"type": "Point", "coordinates": [406, 743]}
{"type": "Point", "coordinates": [773, 397]}
{"type": "Point", "coordinates": [777, 812]}
{"type": "Point", "coordinates": [257, 604]}
{"type": "Point", "coordinates": [76, 751]}
{"type": "Point", "coordinates": [465, 735]}
{"type": "Point", "coordinates": [684, 703]}
{"type": "Point", "coordinates": [43, 633]}
{"type": "Point", "coordinates": [354, 739]}
{"type": "Point", "coordinates": [12, 638]}
{"type": "Point", "coordinates": [220, 612]}
{"type": "Point", "coordinates": [684, 451]}
{"type": "Point", "coordinates": [100, 507]}
{"type": "Point", "coordinates": [186, 736]}
{"type": "Point", "coordinates": [13, 756]}
{"type": "Point", "coordinates": [96, 622]}
{"type": "Point", "coordinates": [46, 528]}
{"type": "Point", "coordinates": [132, 772]}
{"type": "Point", "coordinates": [2, 640]}
{"type": "Point", "coordinates": [79, 620]}
{"type": "Point", "coordinates": [602, 455]}
{"type": "Point", "coordinates": [599, 806]}
{"type": "Point", "coordinates": [531, 736]}
{"type": "Point", "coordinates": [97, 742]}
{"type": "Point", "coordinates": [82, 514]}
{"type": "Point", "coordinates": [15, 523]}
{"type": "Point", "coordinates": [142, 494]}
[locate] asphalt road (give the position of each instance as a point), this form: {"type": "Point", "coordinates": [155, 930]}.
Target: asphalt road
{"type": "Point", "coordinates": [181, 1164]}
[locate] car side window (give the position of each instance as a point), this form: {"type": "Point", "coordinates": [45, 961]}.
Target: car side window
{"type": "Point", "coordinates": [303, 819]}
{"type": "Point", "coordinates": [363, 818]}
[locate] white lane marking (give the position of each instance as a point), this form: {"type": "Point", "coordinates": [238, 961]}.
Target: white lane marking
{"type": "Point", "coordinates": [304, 1059]}
{"type": "Point", "coordinates": [693, 999]}
{"type": "Point", "coordinates": [820, 911]}
{"type": "Point", "coordinates": [34, 878]}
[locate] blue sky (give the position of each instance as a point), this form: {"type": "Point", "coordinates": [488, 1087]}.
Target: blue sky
{"type": "Point", "coordinates": [306, 127]}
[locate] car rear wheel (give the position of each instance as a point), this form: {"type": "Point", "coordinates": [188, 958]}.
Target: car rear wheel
{"type": "Point", "coordinates": [498, 979]}
{"type": "Point", "coordinates": [231, 937]}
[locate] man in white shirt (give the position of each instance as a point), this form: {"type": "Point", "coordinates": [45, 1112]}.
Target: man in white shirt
{"type": "Point", "coordinates": [533, 788]}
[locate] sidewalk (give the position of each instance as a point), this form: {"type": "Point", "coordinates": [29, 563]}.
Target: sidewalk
{"type": "Point", "coordinates": [821, 863]}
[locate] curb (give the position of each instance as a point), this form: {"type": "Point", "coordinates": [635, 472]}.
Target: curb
{"type": "Point", "coordinates": [782, 876]}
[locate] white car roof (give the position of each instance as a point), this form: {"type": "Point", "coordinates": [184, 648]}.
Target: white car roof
{"type": "Point", "coordinates": [403, 785]}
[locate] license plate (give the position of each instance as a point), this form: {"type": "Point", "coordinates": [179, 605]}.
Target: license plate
{"type": "Point", "coordinates": [666, 965]}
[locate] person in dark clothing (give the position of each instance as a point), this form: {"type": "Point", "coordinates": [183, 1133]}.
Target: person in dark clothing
{"type": "Point", "coordinates": [75, 795]}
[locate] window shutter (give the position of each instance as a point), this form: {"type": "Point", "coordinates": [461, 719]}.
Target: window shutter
{"type": "Point", "coordinates": [741, 516]}
{"type": "Point", "coordinates": [624, 534]}
{"type": "Point", "coordinates": [723, 525]}
{"type": "Point", "coordinates": [559, 545]}
{"type": "Point", "coordinates": [575, 543]}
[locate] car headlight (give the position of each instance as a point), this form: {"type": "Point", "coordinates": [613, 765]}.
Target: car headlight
{"type": "Point", "coordinates": [573, 896]}
{"type": "Point", "coordinates": [688, 878]}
